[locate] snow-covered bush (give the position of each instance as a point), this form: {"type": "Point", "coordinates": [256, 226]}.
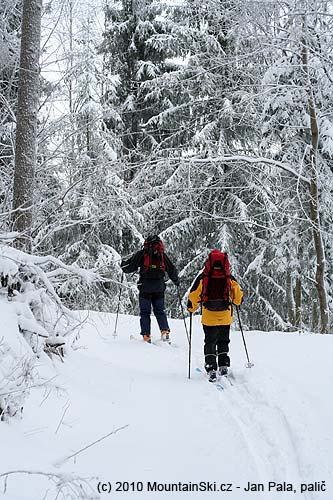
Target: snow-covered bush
{"type": "Point", "coordinates": [34, 322]}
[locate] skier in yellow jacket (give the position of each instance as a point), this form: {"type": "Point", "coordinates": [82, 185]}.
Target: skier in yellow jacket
{"type": "Point", "coordinates": [217, 314]}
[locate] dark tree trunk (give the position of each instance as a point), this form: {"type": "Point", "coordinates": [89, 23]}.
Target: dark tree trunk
{"type": "Point", "coordinates": [26, 120]}
{"type": "Point", "coordinates": [313, 189]}
{"type": "Point", "coordinates": [298, 303]}
{"type": "Point", "coordinates": [290, 300]}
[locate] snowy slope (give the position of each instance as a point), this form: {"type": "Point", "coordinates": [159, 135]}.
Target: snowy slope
{"type": "Point", "coordinates": [273, 424]}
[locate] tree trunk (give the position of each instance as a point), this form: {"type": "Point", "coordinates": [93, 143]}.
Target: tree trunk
{"type": "Point", "coordinates": [26, 120]}
{"type": "Point", "coordinates": [298, 303]}
{"type": "Point", "coordinates": [131, 116]}
{"type": "Point", "coordinates": [290, 300]}
{"type": "Point", "coordinates": [71, 159]}
{"type": "Point", "coordinates": [313, 188]}
{"type": "Point", "coordinates": [315, 316]}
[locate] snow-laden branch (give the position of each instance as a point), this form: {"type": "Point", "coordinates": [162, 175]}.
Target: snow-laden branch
{"type": "Point", "coordinates": [9, 236]}
{"type": "Point", "coordinates": [32, 260]}
{"type": "Point", "coordinates": [250, 159]}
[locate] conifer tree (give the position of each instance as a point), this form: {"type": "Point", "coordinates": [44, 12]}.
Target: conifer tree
{"type": "Point", "coordinates": [141, 42]}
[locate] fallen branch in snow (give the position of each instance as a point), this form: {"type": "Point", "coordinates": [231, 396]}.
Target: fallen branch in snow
{"type": "Point", "coordinates": [60, 462]}
{"type": "Point", "coordinates": [28, 387]}
{"type": "Point", "coordinates": [63, 416]}
{"type": "Point", "coordinates": [68, 485]}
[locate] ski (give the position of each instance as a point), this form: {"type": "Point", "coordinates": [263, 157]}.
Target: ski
{"type": "Point", "coordinates": [157, 342]}
{"type": "Point", "coordinates": [162, 342]}
{"type": "Point", "coordinates": [219, 386]}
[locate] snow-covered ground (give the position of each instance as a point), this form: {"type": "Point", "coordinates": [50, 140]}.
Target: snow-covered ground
{"type": "Point", "coordinates": [274, 424]}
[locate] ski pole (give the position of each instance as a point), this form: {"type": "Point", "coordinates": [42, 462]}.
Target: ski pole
{"type": "Point", "coordinates": [181, 306]}
{"type": "Point", "coordinates": [190, 348]}
{"type": "Point", "coordinates": [249, 364]}
{"type": "Point", "coordinates": [120, 291]}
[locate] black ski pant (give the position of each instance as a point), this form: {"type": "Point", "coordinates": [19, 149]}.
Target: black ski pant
{"type": "Point", "coordinates": [146, 300]}
{"type": "Point", "coordinates": [216, 347]}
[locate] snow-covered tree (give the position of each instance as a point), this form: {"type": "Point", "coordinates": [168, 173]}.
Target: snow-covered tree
{"type": "Point", "coordinates": [10, 23]}
{"type": "Point", "coordinates": [297, 122]}
{"type": "Point", "coordinates": [142, 42]}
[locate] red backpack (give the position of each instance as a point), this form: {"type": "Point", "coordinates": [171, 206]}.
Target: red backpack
{"type": "Point", "coordinates": [216, 283]}
{"type": "Point", "coordinates": [153, 254]}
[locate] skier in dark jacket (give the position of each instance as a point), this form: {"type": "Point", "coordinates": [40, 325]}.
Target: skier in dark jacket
{"type": "Point", "coordinates": [152, 262]}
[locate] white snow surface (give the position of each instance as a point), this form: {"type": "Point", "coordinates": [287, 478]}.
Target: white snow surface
{"type": "Point", "coordinates": [273, 424]}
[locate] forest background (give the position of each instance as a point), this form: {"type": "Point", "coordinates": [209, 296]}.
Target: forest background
{"type": "Point", "coordinates": [209, 123]}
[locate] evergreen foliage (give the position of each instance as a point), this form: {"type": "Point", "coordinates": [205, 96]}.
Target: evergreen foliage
{"type": "Point", "coordinates": [190, 120]}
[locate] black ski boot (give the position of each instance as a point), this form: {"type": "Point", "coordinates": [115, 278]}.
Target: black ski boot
{"type": "Point", "coordinates": [223, 370]}
{"type": "Point", "coordinates": [212, 376]}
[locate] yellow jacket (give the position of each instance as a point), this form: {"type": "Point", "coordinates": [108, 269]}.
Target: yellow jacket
{"type": "Point", "coordinates": [214, 318]}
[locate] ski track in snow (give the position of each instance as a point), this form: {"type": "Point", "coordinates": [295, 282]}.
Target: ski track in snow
{"type": "Point", "coordinates": [243, 405]}
{"type": "Point", "coordinates": [276, 450]}
{"type": "Point", "coordinates": [271, 446]}
{"type": "Point", "coordinates": [252, 431]}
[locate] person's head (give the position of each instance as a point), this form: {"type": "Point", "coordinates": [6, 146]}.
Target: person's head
{"type": "Point", "coordinates": [153, 238]}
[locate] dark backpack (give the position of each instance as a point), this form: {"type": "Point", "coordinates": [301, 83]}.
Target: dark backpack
{"type": "Point", "coordinates": [153, 256]}
{"type": "Point", "coordinates": [216, 283]}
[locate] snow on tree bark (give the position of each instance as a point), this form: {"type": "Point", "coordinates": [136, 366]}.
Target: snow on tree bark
{"type": "Point", "coordinates": [313, 189]}
{"type": "Point", "coordinates": [26, 118]}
